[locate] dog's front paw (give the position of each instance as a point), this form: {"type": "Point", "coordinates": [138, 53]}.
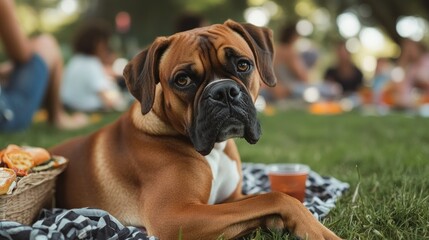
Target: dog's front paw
{"type": "Point", "coordinates": [304, 225]}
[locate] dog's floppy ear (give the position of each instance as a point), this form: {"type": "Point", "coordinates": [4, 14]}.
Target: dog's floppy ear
{"type": "Point", "coordinates": [142, 73]}
{"type": "Point", "coordinates": [260, 40]}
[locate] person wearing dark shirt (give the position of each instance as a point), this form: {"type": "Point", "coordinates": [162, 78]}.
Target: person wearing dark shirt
{"type": "Point", "coordinates": [349, 83]}
{"type": "Point", "coordinates": [345, 73]}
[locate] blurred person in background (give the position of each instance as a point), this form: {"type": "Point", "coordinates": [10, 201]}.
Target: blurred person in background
{"type": "Point", "coordinates": [289, 66]}
{"type": "Point", "coordinates": [291, 69]}
{"type": "Point", "coordinates": [89, 83]}
{"type": "Point", "coordinates": [346, 75]}
{"type": "Point", "coordinates": [31, 78]}
{"type": "Point", "coordinates": [411, 83]}
{"type": "Point", "coordinates": [381, 85]}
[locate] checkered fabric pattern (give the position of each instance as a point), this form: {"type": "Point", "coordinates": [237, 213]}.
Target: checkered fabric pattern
{"type": "Point", "coordinates": [81, 223]}
{"type": "Point", "coordinates": [85, 223]}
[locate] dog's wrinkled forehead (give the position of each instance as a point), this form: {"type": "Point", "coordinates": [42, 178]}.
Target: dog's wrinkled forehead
{"type": "Point", "coordinates": [200, 45]}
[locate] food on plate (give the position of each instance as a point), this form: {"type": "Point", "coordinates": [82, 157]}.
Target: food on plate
{"type": "Point", "coordinates": [7, 180]}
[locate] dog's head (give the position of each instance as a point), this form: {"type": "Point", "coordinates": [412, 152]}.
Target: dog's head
{"type": "Point", "coordinates": [207, 80]}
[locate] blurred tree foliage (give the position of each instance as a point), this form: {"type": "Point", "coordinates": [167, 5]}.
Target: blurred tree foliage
{"type": "Point", "coordinates": [154, 18]}
{"type": "Point", "coordinates": [150, 19]}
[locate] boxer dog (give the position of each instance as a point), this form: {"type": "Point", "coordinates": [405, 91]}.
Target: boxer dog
{"type": "Point", "coordinates": [170, 164]}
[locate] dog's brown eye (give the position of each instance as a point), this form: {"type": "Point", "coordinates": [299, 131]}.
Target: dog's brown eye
{"type": "Point", "coordinates": [183, 81]}
{"type": "Point", "coordinates": [243, 66]}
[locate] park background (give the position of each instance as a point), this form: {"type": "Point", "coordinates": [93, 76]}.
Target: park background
{"type": "Point", "coordinates": [384, 158]}
{"type": "Point", "coordinates": [372, 29]}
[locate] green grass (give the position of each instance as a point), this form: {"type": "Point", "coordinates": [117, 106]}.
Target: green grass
{"type": "Point", "coordinates": [388, 157]}
{"type": "Point", "coordinates": [385, 160]}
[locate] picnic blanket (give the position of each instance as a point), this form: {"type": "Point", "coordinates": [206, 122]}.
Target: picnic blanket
{"type": "Point", "coordinates": [86, 223]}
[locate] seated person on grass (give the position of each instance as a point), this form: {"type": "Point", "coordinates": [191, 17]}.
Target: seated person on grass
{"type": "Point", "coordinates": [32, 75]}
{"type": "Point", "coordinates": [346, 75]}
{"type": "Point", "coordinates": [89, 84]}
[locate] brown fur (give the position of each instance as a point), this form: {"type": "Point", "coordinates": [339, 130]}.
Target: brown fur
{"type": "Point", "coordinates": [144, 170]}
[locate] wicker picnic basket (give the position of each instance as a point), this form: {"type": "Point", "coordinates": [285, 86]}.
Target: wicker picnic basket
{"type": "Point", "coordinates": [32, 193]}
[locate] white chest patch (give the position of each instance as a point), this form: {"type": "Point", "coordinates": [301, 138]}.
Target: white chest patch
{"type": "Point", "coordinates": [225, 174]}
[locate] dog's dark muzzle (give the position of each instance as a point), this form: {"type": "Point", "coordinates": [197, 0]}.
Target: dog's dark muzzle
{"type": "Point", "coordinates": [225, 110]}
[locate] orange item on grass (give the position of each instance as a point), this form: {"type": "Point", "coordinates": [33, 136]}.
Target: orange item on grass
{"type": "Point", "coordinates": [325, 108]}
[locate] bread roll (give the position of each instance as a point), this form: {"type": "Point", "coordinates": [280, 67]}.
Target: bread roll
{"type": "Point", "coordinates": [7, 180]}
{"type": "Point", "coordinates": [8, 148]}
{"type": "Point", "coordinates": [39, 155]}
{"type": "Point", "coordinates": [18, 160]}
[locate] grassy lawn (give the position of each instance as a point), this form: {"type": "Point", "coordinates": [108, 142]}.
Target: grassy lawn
{"type": "Point", "coordinates": [385, 160]}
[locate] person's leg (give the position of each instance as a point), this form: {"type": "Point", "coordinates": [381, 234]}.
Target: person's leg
{"type": "Point", "coordinates": [22, 95]}
{"type": "Point", "coordinates": [48, 49]}
{"type": "Point", "coordinates": [29, 80]}
{"type": "Point", "coordinates": [15, 43]}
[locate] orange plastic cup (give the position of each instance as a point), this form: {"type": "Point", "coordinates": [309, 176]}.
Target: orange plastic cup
{"type": "Point", "coordinates": [289, 178]}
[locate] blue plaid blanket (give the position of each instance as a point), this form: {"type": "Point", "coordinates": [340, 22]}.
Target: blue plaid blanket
{"type": "Point", "coordinates": [85, 223]}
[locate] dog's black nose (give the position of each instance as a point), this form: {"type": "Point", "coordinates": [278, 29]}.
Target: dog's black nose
{"type": "Point", "coordinates": [225, 91]}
